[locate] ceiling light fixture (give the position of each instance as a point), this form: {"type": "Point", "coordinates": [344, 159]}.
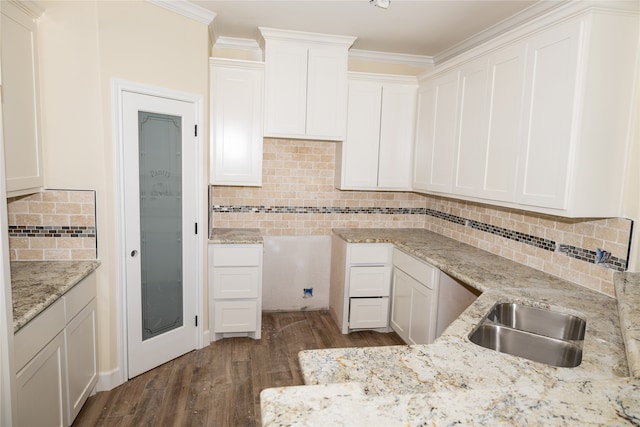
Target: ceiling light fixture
{"type": "Point", "coordinates": [384, 4]}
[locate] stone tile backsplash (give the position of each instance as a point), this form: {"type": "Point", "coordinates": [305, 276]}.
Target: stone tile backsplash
{"type": "Point", "coordinates": [53, 225]}
{"type": "Point", "coordinates": [298, 198]}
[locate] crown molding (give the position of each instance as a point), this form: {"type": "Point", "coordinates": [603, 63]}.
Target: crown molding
{"type": "Point", "coordinates": [395, 58]}
{"type": "Point", "coordinates": [187, 9]}
{"type": "Point", "coordinates": [536, 10]}
{"type": "Point", "coordinates": [32, 8]}
{"type": "Point", "coordinates": [277, 34]}
{"type": "Point", "coordinates": [251, 45]}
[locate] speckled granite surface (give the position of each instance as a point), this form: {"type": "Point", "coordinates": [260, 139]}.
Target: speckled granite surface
{"type": "Point", "coordinates": [235, 236]}
{"type": "Point", "coordinates": [35, 285]}
{"type": "Point", "coordinates": [455, 381]}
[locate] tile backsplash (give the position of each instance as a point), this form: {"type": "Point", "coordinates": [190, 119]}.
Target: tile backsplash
{"type": "Point", "coordinates": [298, 198]}
{"type": "Point", "coordinates": [53, 225]}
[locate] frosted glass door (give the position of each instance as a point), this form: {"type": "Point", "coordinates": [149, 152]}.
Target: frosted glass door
{"type": "Point", "coordinates": [160, 222]}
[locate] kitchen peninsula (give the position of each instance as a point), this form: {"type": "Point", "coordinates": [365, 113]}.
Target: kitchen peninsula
{"type": "Point", "coordinates": [453, 381]}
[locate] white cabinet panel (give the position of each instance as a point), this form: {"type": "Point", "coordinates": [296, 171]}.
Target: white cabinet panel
{"type": "Point", "coordinates": [235, 282]}
{"type": "Point", "coordinates": [235, 316]}
{"type": "Point", "coordinates": [506, 90]}
{"type": "Point", "coordinates": [368, 313]}
{"type": "Point", "coordinates": [471, 135]}
{"type": "Point", "coordinates": [549, 111]}
{"type": "Point", "coordinates": [80, 335]}
{"type": "Point", "coordinates": [20, 102]}
{"type": "Point", "coordinates": [401, 303]}
{"type": "Point", "coordinates": [424, 137]}
{"type": "Point", "coordinates": [369, 254]}
{"type": "Point", "coordinates": [369, 281]}
{"type": "Point", "coordinates": [236, 122]}
{"type": "Point", "coordinates": [423, 322]}
{"type": "Point", "coordinates": [41, 387]}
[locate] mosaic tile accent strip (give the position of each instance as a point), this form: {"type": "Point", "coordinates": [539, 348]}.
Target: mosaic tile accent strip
{"type": "Point", "coordinates": [611, 262]}
{"type": "Point", "coordinates": [538, 242]}
{"type": "Point", "coordinates": [582, 254]}
{"type": "Point", "coordinates": [317, 210]}
{"type": "Point", "coordinates": [51, 231]}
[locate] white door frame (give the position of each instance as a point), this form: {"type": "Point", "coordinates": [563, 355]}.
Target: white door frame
{"type": "Point", "coordinates": [118, 87]}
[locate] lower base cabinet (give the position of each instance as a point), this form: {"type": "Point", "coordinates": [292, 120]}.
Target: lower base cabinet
{"type": "Point", "coordinates": [55, 355]}
{"type": "Point", "coordinates": [414, 299]}
{"type": "Point", "coordinates": [235, 283]}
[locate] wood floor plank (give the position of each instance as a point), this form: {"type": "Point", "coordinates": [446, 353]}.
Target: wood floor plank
{"type": "Point", "coordinates": [220, 384]}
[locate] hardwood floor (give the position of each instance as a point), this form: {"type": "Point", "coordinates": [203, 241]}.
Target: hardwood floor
{"type": "Point", "coordinates": [220, 384]}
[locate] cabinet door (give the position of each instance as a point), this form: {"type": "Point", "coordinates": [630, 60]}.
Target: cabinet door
{"type": "Point", "coordinates": [369, 281]}
{"type": "Point", "coordinates": [401, 303]}
{"type": "Point", "coordinates": [396, 136]}
{"type": "Point", "coordinates": [369, 313]}
{"type": "Point", "coordinates": [552, 61]}
{"type": "Point", "coordinates": [471, 135]}
{"type": "Point", "coordinates": [80, 335]}
{"type": "Point", "coordinates": [422, 324]}
{"type": "Point", "coordinates": [440, 133]}
{"type": "Point", "coordinates": [424, 136]}
{"type": "Point", "coordinates": [41, 390]}
{"type": "Point", "coordinates": [236, 316]}
{"type": "Point", "coordinates": [20, 109]}
{"type": "Point", "coordinates": [360, 148]}
{"type": "Point", "coordinates": [236, 115]}
{"type": "Point", "coordinates": [326, 93]}
{"type": "Point", "coordinates": [506, 85]}
{"type": "Point", "coordinates": [236, 282]}
{"type": "Point", "coordinates": [285, 89]}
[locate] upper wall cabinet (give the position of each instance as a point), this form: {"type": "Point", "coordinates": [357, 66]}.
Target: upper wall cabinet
{"type": "Point", "coordinates": [306, 84]}
{"type": "Point", "coordinates": [20, 101]}
{"type": "Point", "coordinates": [236, 122]}
{"type": "Point", "coordinates": [377, 152]}
{"type": "Point", "coordinates": [538, 119]}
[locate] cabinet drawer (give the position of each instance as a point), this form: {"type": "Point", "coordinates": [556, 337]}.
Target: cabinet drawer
{"type": "Point", "coordinates": [235, 316]}
{"type": "Point", "coordinates": [369, 281]}
{"type": "Point", "coordinates": [35, 335]}
{"type": "Point", "coordinates": [363, 254]}
{"type": "Point", "coordinates": [79, 296]}
{"type": "Point", "coordinates": [236, 282]}
{"type": "Point", "coordinates": [368, 313]}
{"type": "Point", "coordinates": [419, 270]}
{"type": "Point", "coordinates": [237, 256]}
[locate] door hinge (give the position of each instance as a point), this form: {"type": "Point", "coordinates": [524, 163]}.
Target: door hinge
{"type": "Point", "coordinates": [196, 321]}
{"type": "Point", "coordinates": [196, 130]}
{"type": "Point", "coordinates": [196, 228]}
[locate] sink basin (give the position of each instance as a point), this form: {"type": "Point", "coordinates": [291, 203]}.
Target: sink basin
{"type": "Point", "coordinates": [536, 334]}
{"type": "Point", "coordinates": [538, 321]}
{"type": "Point", "coordinates": [554, 352]}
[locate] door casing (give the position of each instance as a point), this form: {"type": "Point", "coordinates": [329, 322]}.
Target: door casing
{"type": "Point", "coordinates": [119, 375]}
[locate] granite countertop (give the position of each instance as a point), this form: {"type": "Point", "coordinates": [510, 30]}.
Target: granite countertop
{"type": "Point", "coordinates": [235, 236]}
{"type": "Point", "coordinates": [35, 285]}
{"type": "Point", "coordinates": [455, 381]}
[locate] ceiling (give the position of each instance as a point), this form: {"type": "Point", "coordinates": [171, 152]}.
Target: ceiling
{"type": "Point", "coordinates": [412, 27]}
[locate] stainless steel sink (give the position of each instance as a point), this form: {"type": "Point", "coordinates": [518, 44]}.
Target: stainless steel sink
{"type": "Point", "coordinates": [538, 321]}
{"type": "Point", "coordinates": [532, 333]}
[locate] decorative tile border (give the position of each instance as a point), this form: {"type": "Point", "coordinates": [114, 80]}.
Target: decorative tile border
{"type": "Point", "coordinates": [528, 239]}
{"type": "Point", "coordinates": [51, 231]}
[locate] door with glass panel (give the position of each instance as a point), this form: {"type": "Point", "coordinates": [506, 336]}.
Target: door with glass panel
{"type": "Point", "coordinates": [159, 182]}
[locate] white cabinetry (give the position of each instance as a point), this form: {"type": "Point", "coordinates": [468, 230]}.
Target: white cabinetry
{"type": "Point", "coordinates": [360, 285]}
{"type": "Point", "coordinates": [414, 299]}
{"type": "Point", "coordinates": [56, 361]}
{"type": "Point", "coordinates": [377, 152]}
{"type": "Point", "coordinates": [236, 290]}
{"type": "Point", "coordinates": [236, 122]}
{"type": "Point", "coordinates": [435, 137]}
{"type": "Point", "coordinates": [539, 117]}
{"type": "Point", "coordinates": [20, 98]}
{"type": "Point", "coordinates": [306, 84]}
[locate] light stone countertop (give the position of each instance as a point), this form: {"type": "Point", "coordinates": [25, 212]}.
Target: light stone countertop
{"type": "Point", "coordinates": [455, 381]}
{"type": "Point", "coordinates": [235, 236]}
{"type": "Point", "coordinates": [35, 285]}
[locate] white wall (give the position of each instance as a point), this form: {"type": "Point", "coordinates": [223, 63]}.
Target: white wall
{"type": "Point", "coordinates": [292, 263]}
{"type": "Point", "coordinates": [83, 46]}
